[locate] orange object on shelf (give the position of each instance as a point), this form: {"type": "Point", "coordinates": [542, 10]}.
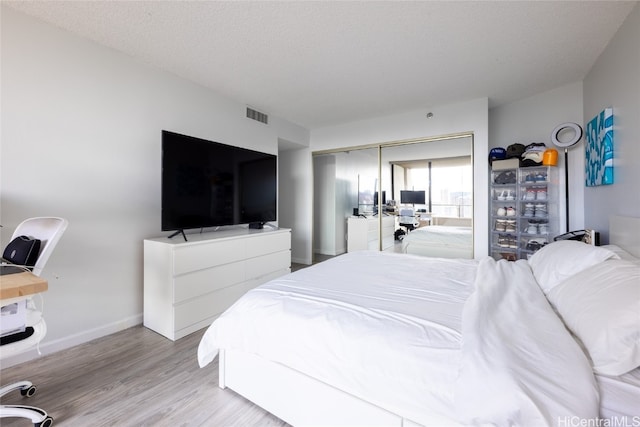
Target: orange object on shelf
{"type": "Point", "coordinates": [550, 157]}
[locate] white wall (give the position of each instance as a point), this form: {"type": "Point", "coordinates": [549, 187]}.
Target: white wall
{"type": "Point", "coordinates": [532, 120]}
{"type": "Point", "coordinates": [295, 194]}
{"type": "Point", "coordinates": [81, 139]}
{"type": "Point", "coordinates": [614, 81]}
{"type": "Point", "coordinates": [470, 116]}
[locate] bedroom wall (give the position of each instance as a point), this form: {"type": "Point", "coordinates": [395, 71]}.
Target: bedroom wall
{"type": "Point", "coordinates": [81, 139]}
{"type": "Point", "coordinates": [470, 116]}
{"type": "Point", "coordinates": [532, 120]}
{"type": "Point", "coordinates": [614, 81]}
{"type": "Point", "coordinates": [295, 192]}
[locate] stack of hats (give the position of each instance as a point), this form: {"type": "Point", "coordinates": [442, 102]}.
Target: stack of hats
{"type": "Point", "coordinates": [530, 155]}
{"type": "Point", "coordinates": [533, 154]}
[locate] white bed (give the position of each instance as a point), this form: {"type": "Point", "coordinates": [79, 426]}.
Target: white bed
{"type": "Point", "coordinates": [620, 398]}
{"type": "Point", "coordinates": [445, 241]}
{"type": "Point", "coordinates": [397, 340]}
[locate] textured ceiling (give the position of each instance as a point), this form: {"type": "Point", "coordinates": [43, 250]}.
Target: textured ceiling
{"type": "Point", "coordinates": [320, 63]}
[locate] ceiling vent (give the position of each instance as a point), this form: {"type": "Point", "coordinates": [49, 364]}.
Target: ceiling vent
{"type": "Point", "coordinates": [257, 116]}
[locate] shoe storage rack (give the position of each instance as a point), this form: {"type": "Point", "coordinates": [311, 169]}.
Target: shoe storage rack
{"type": "Point", "coordinates": [524, 211]}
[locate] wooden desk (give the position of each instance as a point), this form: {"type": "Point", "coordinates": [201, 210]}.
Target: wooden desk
{"type": "Point", "coordinates": [21, 284]}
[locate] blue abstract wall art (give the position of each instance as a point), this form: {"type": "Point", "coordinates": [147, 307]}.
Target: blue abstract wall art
{"type": "Point", "coordinates": [599, 149]}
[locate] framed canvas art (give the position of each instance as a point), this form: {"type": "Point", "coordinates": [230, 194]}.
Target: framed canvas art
{"type": "Point", "coordinates": [599, 149]}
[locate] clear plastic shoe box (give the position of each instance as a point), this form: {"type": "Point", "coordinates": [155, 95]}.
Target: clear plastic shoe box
{"type": "Point", "coordinates": [524, 210]}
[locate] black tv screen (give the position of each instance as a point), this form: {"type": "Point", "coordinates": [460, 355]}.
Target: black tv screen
{"type": "Point", "coordinates": [207, 184]}
{"type": "Point", "coordinates": [384, 198]}
{"type": "Point", "coordinates": [412, 197]}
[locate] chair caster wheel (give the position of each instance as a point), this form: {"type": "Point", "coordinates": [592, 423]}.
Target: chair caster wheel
{"type": "Point", "coordinates": [47, 422]}
{"type": "Point", "coordinates": [29, 391]}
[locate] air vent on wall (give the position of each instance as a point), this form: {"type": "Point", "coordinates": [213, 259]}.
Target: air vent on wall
{"type": "Point", "coordinates": [257, 115]}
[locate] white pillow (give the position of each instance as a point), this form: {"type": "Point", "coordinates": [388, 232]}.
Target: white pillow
{"type": "Point", "coordinates": [560, 260]}
{"type": "Point", "coordinates": [601, 306]}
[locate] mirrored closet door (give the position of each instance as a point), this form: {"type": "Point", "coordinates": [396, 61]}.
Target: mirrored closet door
{"type": "Point", "coordinates": [406, 197]}
{"type": "Point", "coordinates": [344, 187]}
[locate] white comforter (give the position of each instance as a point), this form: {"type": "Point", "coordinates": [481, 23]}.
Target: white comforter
{"type": "Point", "coordinates": [440, 241]}
{"type": "Point", "coordinates": [410, 335]}
{"type": "Point", "coordinates": [519, 364]}
{"type": "Point", "coordinates": [441, 235]}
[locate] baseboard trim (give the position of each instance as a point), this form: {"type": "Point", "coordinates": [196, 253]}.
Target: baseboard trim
{"type": "Point", "coordinates": [50, 347]}
{"type": "Point", "coordinates": [301, 261]}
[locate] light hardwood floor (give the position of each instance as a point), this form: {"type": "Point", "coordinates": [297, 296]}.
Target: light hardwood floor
{"type": "Point", "coordinates": [132, 378]}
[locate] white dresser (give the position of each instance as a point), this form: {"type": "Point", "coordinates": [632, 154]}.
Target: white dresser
{"type": "Point", "coordinates": [362, 233]}
{"type": "Point", "coordinates": [188, 284]}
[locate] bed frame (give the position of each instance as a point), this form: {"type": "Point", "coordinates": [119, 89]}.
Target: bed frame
{"type": "Point", "coordinates": [297, 398]}
{"type": "Point", "coordinates": [301, 400]}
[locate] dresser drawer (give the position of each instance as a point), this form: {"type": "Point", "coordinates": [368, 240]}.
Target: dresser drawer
{"type": "Point", "coordinates": [201, 282]}
{"type": "Point", "coordinates": [268, 243]}
{"type": "Point", "coordinates": [200, 256]}
{"type": "Point", "coordinates": [261, 266]}
{"type": "Point", "coordinates": [209, 305]}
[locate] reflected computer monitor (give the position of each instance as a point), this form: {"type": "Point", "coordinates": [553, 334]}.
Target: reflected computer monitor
{"type": "Point", "coordinates": [412, 197]}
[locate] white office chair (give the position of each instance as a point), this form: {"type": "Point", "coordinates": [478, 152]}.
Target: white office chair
{"type": "Point", "coordinates": [407, 219]}
{"type": "Point", "coordinates": [48, 230]}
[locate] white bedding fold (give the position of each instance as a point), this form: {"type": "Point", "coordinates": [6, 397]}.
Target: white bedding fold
{"type": "Point", "coordinates": [383, 327]}
{"type": "Point", "coordinates": [519, 365]}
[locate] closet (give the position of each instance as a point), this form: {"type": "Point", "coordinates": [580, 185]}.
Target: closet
{"type": "Point", "coordinates": [364, 181]}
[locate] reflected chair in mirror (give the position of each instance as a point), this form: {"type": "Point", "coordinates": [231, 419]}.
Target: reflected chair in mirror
{"type": "Point", "coordinates": [48, 230]}
{"type": "Point", "coordinates": [407, 219]}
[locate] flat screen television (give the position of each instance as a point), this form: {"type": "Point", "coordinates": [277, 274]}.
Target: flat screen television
{"type": "Point", "coordinates": [208, 184]}
{"type": "Point", "coordinates": [412, 197]}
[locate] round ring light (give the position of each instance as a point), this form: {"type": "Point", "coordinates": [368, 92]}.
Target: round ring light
{"type": "Point", "coordinates": [577, 134]}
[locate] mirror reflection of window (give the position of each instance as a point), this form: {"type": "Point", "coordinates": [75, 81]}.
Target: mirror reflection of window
{"type": "Point", "coordinates": [442, 172]}
{"type": "Point", "coordinates": [452, 189]}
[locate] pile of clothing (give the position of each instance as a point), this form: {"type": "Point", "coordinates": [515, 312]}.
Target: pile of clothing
{"type": "Point", "coordinates": [534, 154]}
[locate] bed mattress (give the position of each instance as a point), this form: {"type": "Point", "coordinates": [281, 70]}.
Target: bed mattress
{"type": "Point", "coordinates": [352, 317]}
{"type": "Point", "coordinates": [418, 337]}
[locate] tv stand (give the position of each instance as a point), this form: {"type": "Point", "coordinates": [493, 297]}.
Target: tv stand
{"type": "Point", "coordinates": [189, 284]}
{"type": "Point", "coordinates": [256, 225]}
{"type": "Point", "coordinates": [179, 232]}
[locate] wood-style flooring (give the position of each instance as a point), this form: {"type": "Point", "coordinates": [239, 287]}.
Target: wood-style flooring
{"type": "Point", "coordinates": [132, 378]}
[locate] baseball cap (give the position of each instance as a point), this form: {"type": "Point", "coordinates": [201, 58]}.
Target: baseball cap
{"type": "Point", "coordinates": [515, 151]}
{"type": "Point", "coordinates": [497, 153]}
